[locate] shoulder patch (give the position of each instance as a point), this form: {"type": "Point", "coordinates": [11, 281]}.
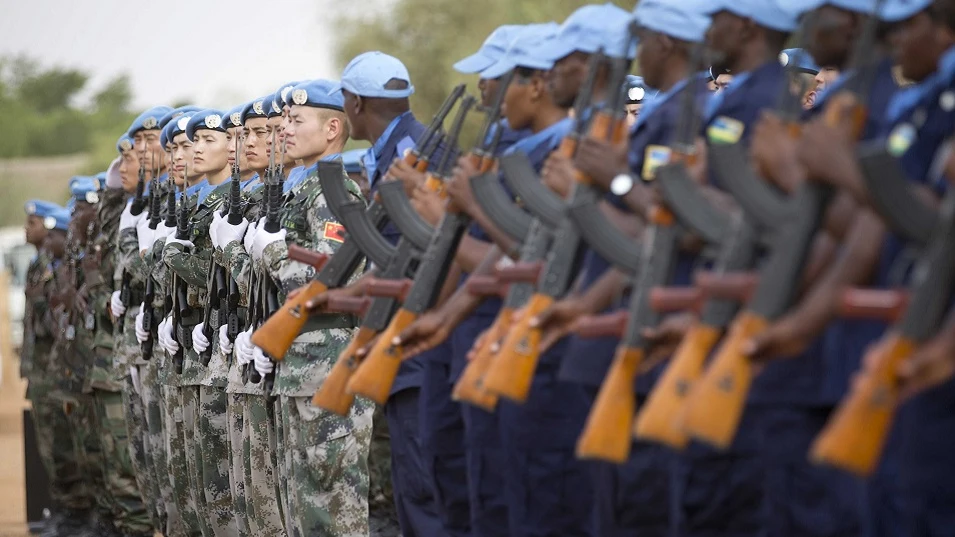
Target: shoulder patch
{"type": "Point", "coordinates": [654, 157]}
{"type": "Point", "coordinates": [334, 232]}
{"type": "Point", "coordinates": [725, 130]}
{"type": "Point", "coordinates": [901, 139]}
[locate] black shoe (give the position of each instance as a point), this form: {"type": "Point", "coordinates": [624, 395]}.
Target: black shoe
{"type": "Point", "coordinates": [75, 524]}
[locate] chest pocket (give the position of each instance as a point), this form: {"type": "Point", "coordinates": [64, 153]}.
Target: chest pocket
{"type": "Point", "coordinates": [200, 222]}
{"type": "Point", "coordinates": [294, 219]}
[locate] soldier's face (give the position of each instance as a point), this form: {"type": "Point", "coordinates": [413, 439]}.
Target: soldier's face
{"type": "Point", "coordinates": [83, 215]}
{"type": "Point", "coordinates": [832, 34]}
{"type": "Point", "coordinates": [256, 143]}
{"type": "Point", "coordinates": [304, 136]}
{"type": "Point", "coordinates": [488, 89]}
{"type": "Point", "coordinates": [148, 141]}
{"type": "Point", "coordinates": [353, 109]}
{"type": "Point", "coordinates": [915, 46]}
{"type": "Point", "coordinates": [519, 100]}
{"type": "Point", "coordinates": [210, 151]}
{"type": "Point", "coordinates": [129, 170]}
{"type": "Point", "coordinates": [35, 232]}
{"type": "Point", "coordinates": [236, 136]}
{"type": "Point", "coordinates": [182, 156]}
{"type": "Point", "coordinates": [649, 53]}
{"type": "Point", "coordinates": [566, 78]}
{"type": "Point", "coordinates": [724, 37]}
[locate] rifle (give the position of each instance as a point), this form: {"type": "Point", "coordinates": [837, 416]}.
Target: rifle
{"type": "Point", "coordinates": [272, 225]}
{"type": "Point", "coordinates": [155, 206]}
{"type": "Point", "coordinates": [236, 215]}
{"type": "Point", "coordinates": [136, 208]}
{"type": "Point", "coordinates": [715, 407]}
{"type": "Point", "coordinates": [276, 335]}
{"type": "Point", "coordinates": [182, 309]}
{"type": "Point", "coordinates": [256, 282]}
{"type": "Point", "coordinates": [377, 372]}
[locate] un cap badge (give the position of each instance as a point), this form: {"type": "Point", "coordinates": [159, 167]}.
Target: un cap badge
{"type": "Point", "coordinates": [181, 124]}
{"type": "Point", "coordinates": [213, 121]}
{"type": "Point", "coordinates": [284, 93]}
{"type": "Point", "coordinates": [150, 123]}
{"type": "Point", "coordinates": [125, 145]}
{"type": "Point", "coordinates": [92, 198]}
{"type": "Point", "coordinates": [31, 208]}
{"type": "Point", "coordinates": [299, 96]}
{"type": "Point", "coordinates": [257, 108]}
{"type": "Point", "coordinates": [276, 108]}
{"type": "Point", "coordinates": [236, 119]}
{"type": "Point", "coordinates": [49, 222]}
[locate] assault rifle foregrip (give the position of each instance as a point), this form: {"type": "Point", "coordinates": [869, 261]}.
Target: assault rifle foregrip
{"type": "Point", "coordinates": [736, 286]}
{"type": "Point", "coordinates": [612, 411]}
{"type": "Point", "coordinates": [333, 395]}
{"type": "Point", "coordinates": [378, 370]}
{"type": "Point", "coordinates": [676, 299]}
{"type": "Point", "coordinates": [479, 285]}
{"type": "Point", "coordinates": [309, 257]}
{"type": "Point", "coordinates": [346, 304]}
{"type": "Point", "coordinates": [880, 304]}
{"type": "Point", "coordinates": [521, 272]}
{"type": "Point", "coordinates": [606, 325]}
{"type": "Point", "coordinates": [380, 287]}
{"type": "Point", "coordinates": [511, 374]}
{"type": "Point", "coordinates": [470, 387]}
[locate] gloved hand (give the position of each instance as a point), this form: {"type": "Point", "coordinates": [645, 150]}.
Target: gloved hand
{"type": "Point", "coordinates": [224, 342]}
{"type": "Point", "coordinates": [159, 334]}
{"type": "Point", "coordinates": [165, 334]}
{"type": "Point", "coordinates": [263, 239]}
{"type": "Point", "coordinates": [145, 235]}
{"type": "Point", "coordinates": [141, 334]}
{"type": "Point", "coordinates": [214, 229]}
{"type": "Point", "coordinates": [127, 220]}
{"type": "Point", "coordinates": [185, 244]}
{"type": "Point", "coordinates": [250, 234]}
{"type": "Point", "coordinates": [113, 178]}
{"type": "Point", "coordinates": [262, 363]}
{"type": "Point", "coordinates": [137, 383]}
{"type": "Point", "coordinates": [244, 349]}
{"type": "Point", "coordinates": [199, 340]}
{"type": "Point", "coordinates": [228, 233]}
{"type": "Point", "coordinates": [162, 231]}
{"type": "Point", "coordinates": [116, 304]}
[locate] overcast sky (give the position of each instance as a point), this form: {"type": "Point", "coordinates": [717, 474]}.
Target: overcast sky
{"type": "Point", "coordinates": [216, 53]}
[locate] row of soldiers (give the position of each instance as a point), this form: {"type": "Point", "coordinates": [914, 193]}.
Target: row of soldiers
{"type": "Point", "coordinates": [574, 326]}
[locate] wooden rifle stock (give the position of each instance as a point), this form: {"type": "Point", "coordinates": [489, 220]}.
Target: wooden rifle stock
{"type": "Point", "coordinates": [333, 395]}
{"type": "Point", "coordinates": [715, 405]}
{"type": "Point", "coordinates": [276, 335]}
{"type": "Point", "coordinates": [659, 419]}
{"type": "Point", "coordinates": [855, 435]}
{"type": "Point", "coordinates": [606, 433]}
{"type": "Point", "coordinates": [512, 372]}
{"type": "Point", "coordinates": [879, 304]}
{"type": "Point", "coordinates": [376, 374]}
{"type": "Point", "coordinates": [470, 387]}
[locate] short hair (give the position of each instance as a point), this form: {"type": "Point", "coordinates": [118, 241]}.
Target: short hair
{"type": "Point", "coordinates": [325, 114]}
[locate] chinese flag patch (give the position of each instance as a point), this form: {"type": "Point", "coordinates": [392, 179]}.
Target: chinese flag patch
{"type": "Point", "coordinates": [335, 232]}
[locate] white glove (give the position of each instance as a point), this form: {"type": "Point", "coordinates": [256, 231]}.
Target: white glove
{"type": "Point", "coordinates": [199, 340]}
{"type": "Point", "coordinates": [127, 220]}
{"type": "Point", "coordinates": [228, 233]}
{"type": "Point", "coordinates": [244, 349]}
{"type": "Point", "coordinates": [145, 235]}
{"type": "Point", "coordinates": [159, 334]}
{"type": "Point", "coordinates": [163, 231]}
{"type": "Point", "coordinates": [134, 376]}
{"type": "Point", "coordinates": [185, 244]}
{"type": "Point", "coordinates": [262, 363]}
{"type": "Point", "coordinates": [116, 304]}
{"type": "Point", "coordinates": [165, 334]}
{"type": "Point", "coordinates": [214, 229]}
{"type": "Point", "coordinates": [250, 233]}
{"type": "Point", "coordinates": [263, 239]}
{"type": "Point", "coordinates": [224, 344]}
{"type": "Point", "coordinates": [141, 334]}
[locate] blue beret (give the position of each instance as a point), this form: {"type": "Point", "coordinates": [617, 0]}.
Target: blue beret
{"type": "Point", "coordinates": [803, 61]}
{"type": "Point", "coordinates": [40, 208]}
{"type": "Point", "coordinates": [233, 118]}
{"type": "Point", "coordinates": [367, 74]}
{"type": "Point", "coordinates": [637, 90]}
{"type": "Point", "coordinates": [318, 93]}
{"type": "Point", "coordinates": [766, 13]}
{"type": "Point", "coordinates": [148, 120]}
{"type": "Point", "coordinates": [281, 95]}
{"type": "Point", "coordinates": [164, 137]}
{"type": "Point", "coordinates": [125, 143]}
{"type": "Point", "coordinates": [674, 18]}
{"type": "Point", "coordinates": [491, 51]}
{"type": "Point", "coordinates": [58, 218]}
{"type": "Point", "coordinates": [900, 10]}
{"type": "Point", "coordinates": [208, 119]}
{"type": "Point", "coordinates": [83, 188]}
{"type": "Point", "coordinates": [178, 126]}
{"type": "Point", "coordinates": [801, 7]}
{"type": "Point", "coordinates": [256, 108]}
{"type": "Point", "coordinates": [351, 160]}
{"type": "Point", "coordinates": [273, 106]}
{"type": "Point", "coordinates": [590, 29]}
{"type": "Point", "coordinates": [526, 50]}
{"type": "Point", "coordinates": [176, 113]}
{"type": "Point", "coordinates": [101, 180]}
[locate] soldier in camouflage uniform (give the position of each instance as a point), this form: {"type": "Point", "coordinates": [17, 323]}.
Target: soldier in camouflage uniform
{"type": "Point", "coordinates": [137, 374]}
{"type": "Point", "coordinates": [326, 455]}
{"type": "Point", "coordinates": [204, 404]}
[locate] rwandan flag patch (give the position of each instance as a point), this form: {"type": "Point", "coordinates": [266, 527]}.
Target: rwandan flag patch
{"type": "Point", "coordinates": [725, 130]}
{"type": "Point", "coordinates": [654, 157]}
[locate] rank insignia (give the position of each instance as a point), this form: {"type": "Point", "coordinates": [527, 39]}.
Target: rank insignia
{"type": "Point", "coordinates": [236, 119]}
{"type": "Point", "coordinates": [654, 157]}
{"type": "Point", "coordinates": [901, 139]}
{"type": "Point", "coordinates": [257, 108]}
{"type": "Point", "coordinates": [300, 96]}
{"type": "Point", "coordinates": [150, 123]}
{"type": "Point", "coordinates": [125, 145]}
{"type": "Point", "coordinates": [213, 121]}
{"type": "Point", "coordinates": [334, 232]}
{"type": "Point", "coordinates": [725, 130]}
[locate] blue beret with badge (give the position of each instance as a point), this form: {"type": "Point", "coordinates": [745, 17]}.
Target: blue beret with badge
{"type": "Point", "coordinates": [273, 107]}
{"type": "Point", "coordinates": [58, 218]}
{"type": "Point", "coordinates": [591, 28]}
{"type": "Point", "coordinates": [164, 135]}
{"type": "Point", "coordinates": [801, 7]}
{"type": "Point", "coordinates": [637, 90]}
{"type": "Point", "coordinates": [319, 94]}
{"type": "Point", "coordinates": [233, 118]}
{"type": "Point", "coordinates": [84, 189]}
{"type": "Point", "coordinates": [148, 120]}
{"type": "Point", "coordinates": [351, 160]}
{"type": "Point", "coordinates": [124, 144]}
{"type": "Point", "coordinates": [283, 95]}
{"type": "Point", "coordinates": [208, 119]}
{"type": "Point", "coordinates": [767, 13]}
{"type": "Point", "coordinates": [526, 50]}
{"type": "Point", "coordinates": [176, 113]}
{"type": "Point", "coordinates": [900, 10]}
{"type": "Point", "coordinates": [799, 60]}
{"type": "Point", "coordinates": [368, 74]}
{"type": "Point", "coordinates": [675, 18]}
{"type": "Point", "coordinates": [177, 126]}
{"type": "Point", "coordinates": [491, 51]}
{"type": "Point", "coordinates": [41, 208]}
{"type": "Point", "coordinates": [257, 108]}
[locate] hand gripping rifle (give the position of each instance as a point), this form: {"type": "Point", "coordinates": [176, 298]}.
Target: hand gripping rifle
{"type": "Point", "coordinates": [716, 404]}
{"type": "Point", "coordinates": [155, 207]}
{"type": "Point", "coordinates": [181, 310]}
{"type": "Point", "coordinates": [377, 372]}
{"type": "Point", "coordinates": [275, 336]}
{"type": "Point", "coordinates": [257, 282]}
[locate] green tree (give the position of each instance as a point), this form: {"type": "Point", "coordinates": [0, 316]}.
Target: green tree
{"type": "Point", "coordinates": [115, 97]}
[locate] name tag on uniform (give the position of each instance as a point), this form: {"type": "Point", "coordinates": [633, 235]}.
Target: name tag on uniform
{"type": "Point", "coordinates": [725, 130]}
{"type": "Point", "coordinates": [654, 157]}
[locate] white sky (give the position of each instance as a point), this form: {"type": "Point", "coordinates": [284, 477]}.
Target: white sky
{"type": "Point", "coordinates": [217, 52]}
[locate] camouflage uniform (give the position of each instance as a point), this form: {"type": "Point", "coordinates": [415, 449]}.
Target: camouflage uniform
{"type": "Point", "coordinates": [326, 455]}
{"type": "Point", "coordinates": [204, 406]}
{"type": "Point", "coordinates": [383, 516]}
{"type": "Point", "coordinates": [127, 511]}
